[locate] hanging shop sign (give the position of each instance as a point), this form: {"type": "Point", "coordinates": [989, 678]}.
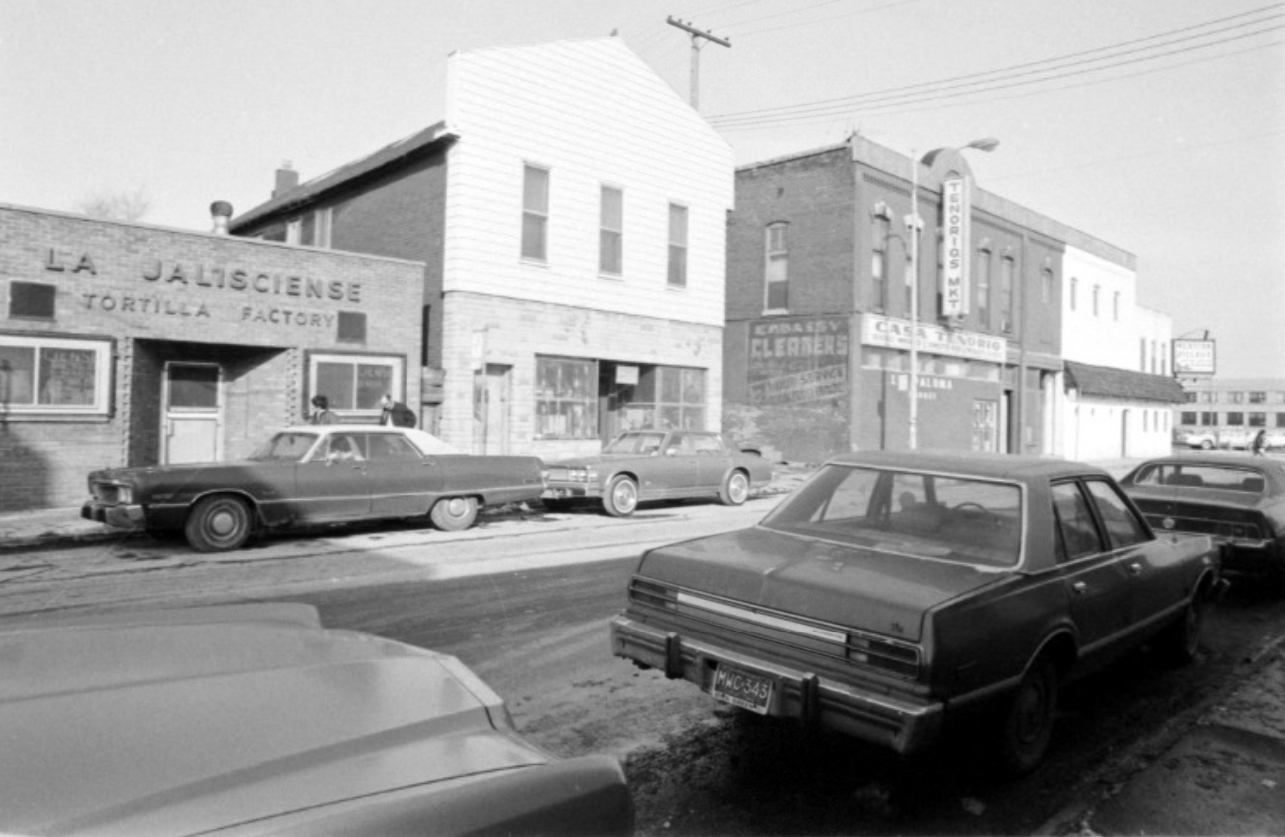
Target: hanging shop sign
{"type": "Point", "coordinates": [894, 333]}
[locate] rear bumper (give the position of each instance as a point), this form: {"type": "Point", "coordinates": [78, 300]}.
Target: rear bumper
{"type": "Point", "coordinates": [117, 516]}
{"type": "Point", "coordinates": [1253, 557]}
{"type": "Point", "coordinates": [902, 723]}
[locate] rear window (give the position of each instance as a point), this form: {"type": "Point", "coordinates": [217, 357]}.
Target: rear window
{"type": "Point", "coordinates": [1182, 476]}
{"type": "Point", "coordinates": [937, 516]}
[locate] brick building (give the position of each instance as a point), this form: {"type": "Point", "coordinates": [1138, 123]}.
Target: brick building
{"type": "Point", "coordinates": [125, 344]}
{"type": "Point", "coordinates": [570, 211]}
{"type": "Point", "coordinates": [819, 308]}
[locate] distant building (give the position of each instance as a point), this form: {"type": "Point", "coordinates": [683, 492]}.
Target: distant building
{"type": "Point", "coordinates": [129, 344]}
{"type": "Point", "coordinates": [570, 211]}
{"type": "Point", "coordinates": [1229, 411]}
{"type": "Point", "coordinates": [819, 316]}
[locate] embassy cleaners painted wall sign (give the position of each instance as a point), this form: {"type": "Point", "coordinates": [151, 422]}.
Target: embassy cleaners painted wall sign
{"type": "Point", "coordinates": [895, 334]}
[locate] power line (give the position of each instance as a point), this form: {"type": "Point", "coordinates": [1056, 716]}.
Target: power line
{"type": "Point", "coordinates": [994, 79]}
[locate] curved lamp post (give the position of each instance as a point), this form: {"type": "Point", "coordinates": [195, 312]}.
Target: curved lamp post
{"type": "Point", "coordinates": [913, 221]}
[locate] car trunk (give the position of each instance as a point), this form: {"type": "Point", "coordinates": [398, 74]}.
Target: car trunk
{"type": "Point", "coordinates": [868, 589]}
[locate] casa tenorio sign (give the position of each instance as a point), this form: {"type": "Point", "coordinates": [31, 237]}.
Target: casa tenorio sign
{"type": "Point", "coordinates": [169, 280]}
{"type": "Point", "coordinates": [798, 360]}
{"type": "Point", "coordinates": [896, 334]}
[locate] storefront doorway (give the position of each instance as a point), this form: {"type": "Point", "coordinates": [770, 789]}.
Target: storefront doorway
{"type": "Point", "coordinates": [191, 417]}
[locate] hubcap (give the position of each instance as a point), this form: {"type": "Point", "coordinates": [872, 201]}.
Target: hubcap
{"type": "Point", "coordinates": [456, 506]}
{"type": "Point", "coordinates": [223, 523]}
{"type": "Point", "coordinates": [624, 496]}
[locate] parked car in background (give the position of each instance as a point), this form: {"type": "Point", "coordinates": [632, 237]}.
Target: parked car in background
{"type": "Point", "coordinates": [311, 474]}
{"type": "Point", "coordinates": [894, 593]}
{"type": "Point", "coordinates": [642, 465]}
{"type": "Point", "coordinates": [1236, 498]}
{"type": "Point", "coordinates": [254, 719]}
{"type": "Point", "coordinates": [1203, 439]}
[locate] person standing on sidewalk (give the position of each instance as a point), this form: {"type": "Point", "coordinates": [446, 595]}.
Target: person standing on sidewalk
{"type": "Point", "coordinates": [396, 414]}
{"type": "Point", "coordinates": [321, 411]}
{"type": "Point", "coordinates": [1259, 445]}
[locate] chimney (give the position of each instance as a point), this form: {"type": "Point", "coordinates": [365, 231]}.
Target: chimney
{"type": "Point", "coordinates": [287, 179]}
{"type": "Point", "coordinates": [221, 213]}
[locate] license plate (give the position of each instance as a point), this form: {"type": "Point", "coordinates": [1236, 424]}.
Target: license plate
{"type": "Point", "coordinates": [742, 688]}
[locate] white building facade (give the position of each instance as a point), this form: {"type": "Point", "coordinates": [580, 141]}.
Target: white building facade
{"type": "Point", "coordinates": [583, 268]}
{"type": "Point", "coordinates": [1118, 393]}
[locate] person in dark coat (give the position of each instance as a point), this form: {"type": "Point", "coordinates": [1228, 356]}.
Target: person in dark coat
{"type": "Point", "coordinates": [396, 414]}
{"type": "Point", "coordinates": [321, 411]}
{"type": "Point", "coordinates": [1259, 445]}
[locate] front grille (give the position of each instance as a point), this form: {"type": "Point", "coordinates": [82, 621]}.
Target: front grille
{"type": "Point", "coordinates": [557, 474]}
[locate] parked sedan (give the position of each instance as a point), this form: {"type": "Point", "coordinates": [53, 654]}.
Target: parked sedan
{"type": "Point", "coordinates": [312, 474]}
{"type": "Point", "coordinates": [254, 720]}
{"type": "Point", "coordinates": [645, 465]}
{"type": "Point", "coordinates": [1238, 499]}
{"type": "Point", "coordinates": [894, 593]}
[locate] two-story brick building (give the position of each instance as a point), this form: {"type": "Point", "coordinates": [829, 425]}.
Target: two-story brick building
{"type": "Point", "coordinates": [571, 214]}
{"type": "Point", "coordinates": [821, 306]}
{"type": "Point", "coordinates": [129, 344]}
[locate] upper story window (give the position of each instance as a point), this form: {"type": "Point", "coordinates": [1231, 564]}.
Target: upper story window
{"type": "Point", "coordinates": [1097, 292]}
{"type": "Point", "coordinates": [1007, 269]}
{"type": "Point", "coordinates": [1075, 287]}
{"type": "Point", "coordinates": [1046, 285]}
{"type": "Point", "coordinates": [879, 263]}
{"type": "Point", "coordinates": [677, 246]}
{"type": "Point", "coordinates": [611, 231]}
{"type": "Point", "coordinates": [1142, 357]}
{"type": "Point", "coordinates": [1164, 358]}
{"type": "Point", "coordinates": [983, 282]}
{"type": "Point", "coordinates": [1257, 397]}
{"type": "Point", "coordinates": [1115, 306]}
{"type": "Point", "coordinates": [1155, 354]}
{"type": "Point", "coordinates": [777, 268]}
{"type": "Point", "coordinates": [312, 229]}
{"type": "Point", "coordinates": [535, 213]}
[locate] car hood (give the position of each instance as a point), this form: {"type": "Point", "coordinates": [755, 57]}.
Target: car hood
{"type": "Point", "coordinates": [598, 459]}
{"type": "Point", "coordinates": [197, 720]}
{"type": "Point", "coordinates": [868, 589]}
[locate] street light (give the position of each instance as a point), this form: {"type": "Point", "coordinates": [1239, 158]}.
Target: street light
{"type": "Point", "coordinates": [913, 221]}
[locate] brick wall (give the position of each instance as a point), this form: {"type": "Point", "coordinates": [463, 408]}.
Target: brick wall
{"type": "Point", "coordinates": [165, 294]}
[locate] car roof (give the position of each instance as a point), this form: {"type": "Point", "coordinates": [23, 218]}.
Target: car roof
{"type": "Point", "coordinates": [989, 465]}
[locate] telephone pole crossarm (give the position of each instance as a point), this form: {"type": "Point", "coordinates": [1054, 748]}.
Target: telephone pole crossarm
{"type": "Point", "coordinates": [697, 34]}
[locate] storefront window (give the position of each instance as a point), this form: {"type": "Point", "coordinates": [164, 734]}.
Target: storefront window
{"type": "Point", "coordinates": [355, 383]}
{"type": "Point", "coordinates": [53, 376]}
{"type": "Point", "coordinates": [566, 398]}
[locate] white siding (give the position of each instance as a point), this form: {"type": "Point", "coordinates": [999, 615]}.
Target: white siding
{"type": "Point", "coordinates": [592, 113]}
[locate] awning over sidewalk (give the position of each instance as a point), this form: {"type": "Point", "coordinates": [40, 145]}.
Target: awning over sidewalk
{"type": "Point", "coordinates": [1106, 382]}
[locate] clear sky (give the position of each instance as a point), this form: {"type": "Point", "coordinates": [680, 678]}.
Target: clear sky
{"type": "Point", "coordinates": [1155, 125]}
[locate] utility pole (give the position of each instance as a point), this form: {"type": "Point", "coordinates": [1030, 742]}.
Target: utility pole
{"type": "Point", "coordinates": [695, 84]}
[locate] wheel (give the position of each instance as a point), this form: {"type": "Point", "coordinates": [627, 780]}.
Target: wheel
{"type": "Point", "coordinates": [1206, 445]}
{"type": "Point", "coordinates": [1027, 725]}
{"type": "Point", "coordinates": [736, 487]}
{"type": "Point", "coordinates": [451, 514]}
{"type": "Point", "coordinates": [1181, 640]}
{"type": "Point", "coordinates": [219, 523]}
{"type": "Point", "coordinates": [621, 498]}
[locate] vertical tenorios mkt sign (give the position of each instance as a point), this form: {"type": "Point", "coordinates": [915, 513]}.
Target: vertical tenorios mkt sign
{"type": "Point", "coordinates": [955, 213]}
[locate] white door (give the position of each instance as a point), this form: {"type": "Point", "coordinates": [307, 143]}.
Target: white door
{"type": "Point", "coordinates": [191, 418]}
{"type": "Point", "coordinates": [496, 434]}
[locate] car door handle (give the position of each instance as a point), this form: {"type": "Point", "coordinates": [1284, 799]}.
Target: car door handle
{"type": "Point", "coordinates": [1079, 587]}
{"type": "Point", "coordinates": [1135, 568]}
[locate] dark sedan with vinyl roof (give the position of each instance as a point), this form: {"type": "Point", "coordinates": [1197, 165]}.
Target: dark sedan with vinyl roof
{"type": "Point", "coordinates": [1237, 499]}
{"type": "Point", "coordinates": [894, 593]}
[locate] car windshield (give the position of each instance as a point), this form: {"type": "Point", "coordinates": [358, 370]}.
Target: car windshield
{"type": "Point", "coordinates": [1189, 475]}
{"type": "Point", "coordinates": [944, 517]}
{"type": "Point", "coordinates": [285, 447]}
{"type": "Point", "coordinates": [635, 443]}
